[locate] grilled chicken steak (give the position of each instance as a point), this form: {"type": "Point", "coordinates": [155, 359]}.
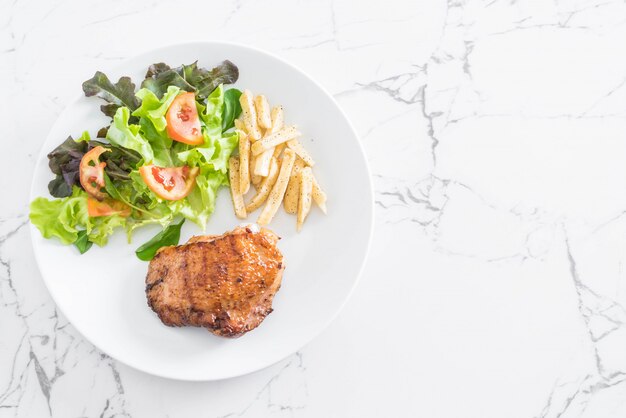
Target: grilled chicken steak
{"type": "Point", "coordinates": [224, 283]}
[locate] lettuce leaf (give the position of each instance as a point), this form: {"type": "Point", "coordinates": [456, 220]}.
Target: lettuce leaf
{"type": "Point", "coordinates": [64, 161]}
{"type": "Point", "coordinates": [60, 217]}
{"type": "Point", "coordinates": [231, 109]}
{"type": "Point", "coordinates": [156, 69]}
{"type": "Point", "coordinates": [153, 108]}
{"type": "Point", "coordinates": [170, 235]}
{"type": "Point", "coordinates": [103, 226]}
{"type": "Point", "coordinates": [84, 137]}
{"type": "Point", "coordinates": [206, 81]}
{"type": "Point", "coordinates": [227, 145]}
{"type": "Point", "coordinates": [159, 141]}
{"type": "Point", "coordinates": [160, 77]}
{"type": "Point", "coordinates": [200, 203]}
{"type": "Point", "coordinates": [82, 243]}
{"type": "Point", "coordinates": [122, 134]}
{"type": "Point", "coordinates": [189, 78]}
{"type": "Point", "coordinates": [117, 95]}
{"type": "Point", "coordinates": [211, 115]}
{"type": "Point", "coordinates": [67, 218]}
{"type": "Point", "coordinates": [119, 161]}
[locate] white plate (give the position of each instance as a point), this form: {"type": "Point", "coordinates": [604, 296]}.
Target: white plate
{"type": "Point", "coordinates": [102, 292]}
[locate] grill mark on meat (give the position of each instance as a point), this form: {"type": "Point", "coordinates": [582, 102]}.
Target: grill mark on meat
{"type": "Point", "coordinates": [185, 274]}
{"type": "Point", "coordinates": [149, 286]}
{"type": "Point", "coordinates": [233, 245]}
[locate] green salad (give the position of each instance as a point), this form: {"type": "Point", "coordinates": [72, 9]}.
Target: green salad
{"type": "Point", "coordinates": [160, 161]}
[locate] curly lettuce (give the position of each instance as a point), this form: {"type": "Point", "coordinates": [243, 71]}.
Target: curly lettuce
{"type": "Point", "coordinates": [189, 78]}
{"type": "Point", "coordinates": [61, 218]}
{"type": "Point", "coordinates": [153, 108]}
{"type": "Point", "coordinates": [67, 219]}
{"type": "Point", "coordinates": [116, 95]}
{"type": "Point", "coordinates": [126, 135]}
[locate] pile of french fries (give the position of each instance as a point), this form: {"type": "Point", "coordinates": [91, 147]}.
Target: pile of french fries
{"type": "Point", "coordinates": [274, 162]}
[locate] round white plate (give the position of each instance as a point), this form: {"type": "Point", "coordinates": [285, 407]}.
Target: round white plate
{"type": "Point", "coordinates": [102, 292]}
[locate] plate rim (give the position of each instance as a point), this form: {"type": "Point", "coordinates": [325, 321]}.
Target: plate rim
{"type": "Point", "coordinates": [371, 209]}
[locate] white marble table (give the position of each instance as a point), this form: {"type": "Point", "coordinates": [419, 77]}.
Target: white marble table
{"type": "Point", "coordinates": [496, 134]}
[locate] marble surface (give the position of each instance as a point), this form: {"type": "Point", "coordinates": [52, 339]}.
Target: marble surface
{"type": "Point", "coordinates": [496, 134]}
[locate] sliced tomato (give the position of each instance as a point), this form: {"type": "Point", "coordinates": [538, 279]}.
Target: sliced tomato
{"type": "Point", "coordinates": [106, 207]}
{"type": "Point", "coordinates": [183, 123]}
{"type": "Point", "coordinates": [169, 183]}
{"type": "Point", "coordinates": [91, 172]}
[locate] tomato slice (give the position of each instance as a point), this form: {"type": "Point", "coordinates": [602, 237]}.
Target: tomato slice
{"type": "Point", "coordinates": [183, 123]}
{"type": "Point", "coordinates": [107, 207]}
{"type": "Point", "coordinates": [169, 183]}
{"type": "Point", "coordinates": [91, 172]}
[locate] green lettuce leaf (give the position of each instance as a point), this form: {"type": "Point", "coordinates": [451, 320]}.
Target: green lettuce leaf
{"type": "Point", "coordinates": [214, 154]}
{"type": "Point", "coordinates": [84, 137]}
{"type": "Point", "coordinates": [67, 218]}
{"type": "Point", "coordinates": [161, 144]}
{"type": "Point", "coordinates": [122, 134]}
{"type": "Point", "coordinates": [200, 203]}
{"type": "Point", "coordinates": [117, 95]}
{"type": "Point", "coordinates": [231, 109]}
{"type": "Point", "coordinates": [211, 115]}
{"type": "Point", "coordinates": [226, 145]}
{"type": "Point", "coordinates": [170, 235]}
{"type": "Point", "coordinates": [82, 243]}
{"type": "Point", "coordinates": [103, 226]}
{"type": "Point", "coordinates": [61, 218]}
{"type": "Point", "coordinates": [153, 108]}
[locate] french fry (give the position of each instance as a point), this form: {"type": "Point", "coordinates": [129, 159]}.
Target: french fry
{"type": "Point", "coordinates": [278, 118]}
{"type": "Point", "coordinates": [254, 179]}
{"type": "Point", "coordinates": [276, 138]}
{"type": "Point", "coordinates": [262, 106]}
{"type": "Point", "coordinates": [318, 195]}
{"type": "Point", "coordinates": [278, 149]}
{"type": "Point", "coordinates": [262, 163]}
{"type": "Point", "coordinates": [304, 201]}
{"type": "Point", "coordinates": [278, 190]}
{"type": "Point", "coordinates": [264, 188]}
{"type": "Point", "coordinates": [239, 125]}
{"type": "Point", "coordinates": [249, 115]}
{"type": "Point", "coordinates": [295, 145]}
{"type": "Point", "coordinates": [244, 162]}
{"type": "Point", "coordinates": [293, 188]}
{"type": "Point", "coordinates": [238, 204]}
